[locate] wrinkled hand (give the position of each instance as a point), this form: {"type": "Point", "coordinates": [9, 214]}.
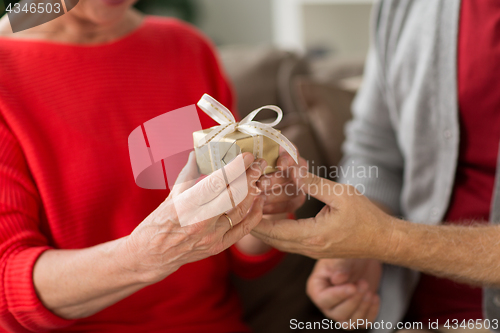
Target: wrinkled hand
{"type": "Point", "coordinates": [349, 226]}
{"type": "Point", "coordinates": [346, 289]}
{"type": "Point", "coordinates": [159, 245]}
{"type": "Point", "coordinates": [282, 195]}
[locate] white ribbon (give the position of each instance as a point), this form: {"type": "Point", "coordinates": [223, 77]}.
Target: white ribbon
{"type": "Point", "coordinates": [228, 124]}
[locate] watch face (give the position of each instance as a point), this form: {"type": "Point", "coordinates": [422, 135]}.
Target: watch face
{"type": "Point", "coordinates": [26, 14]}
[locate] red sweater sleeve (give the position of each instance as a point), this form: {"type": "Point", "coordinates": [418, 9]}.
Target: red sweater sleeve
{"type": "Point", "coordinates": [250, 266]}
{"type": "Point", "coordinates": [21, 243]}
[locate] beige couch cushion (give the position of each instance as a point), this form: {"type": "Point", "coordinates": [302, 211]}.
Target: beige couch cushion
{"type": "Point", "coordinates": [262, 75]}
{"type": "Point", "coordinates": [328, 107]}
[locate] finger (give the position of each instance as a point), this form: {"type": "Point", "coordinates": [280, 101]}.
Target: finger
{"type": "Point", "coordinates": [319, 278]}
{"type": "Point", "coordinates": [188, 176]}
{"type": "Point", "coordinates": [285, 160]}
{"type": "Point", "coordinates": [238, 213]}
{"type": "Point", "coordinates": [333, 296]}
{"type": "Point", "coordinates": [340, 271]}
{"type": "Point", "coordinates": [374, 309]}
{"type": "Point", "coordinates": [281, 233]}
{"type": "Point", "coordinates": [238, 189]}
{"type": "Point", "coordinates": [282, 193]}
{"type": "Point", "coordinates": [210, 187]}
{"type": "Point", "coordinates": [345, 310]}
{"type": "Point", "coordinates": [288, 206]}
{"type": "Point", "coordinates": [253, 218]}
{"type": "Point", "coordinates": [268, 182]}
{"type": "Point", "coordinates": [362, 311]}
{"type": "Point", "coordinates": [210, 197]}
{"type": "Point", "coordinates": [287, 172]}
{"type": "Point", "coordinates": [284, 234]}
{"type": "Point", "coordinates": [325, 269]}
{"type": "Point", "coordinates": [234, 170]}
{"type": "Point", "coordinates": [319, 188]}
{"type": "Point", "coordinates": [234, 216]}
{"type": "Point", "coordinates": [255, 172]}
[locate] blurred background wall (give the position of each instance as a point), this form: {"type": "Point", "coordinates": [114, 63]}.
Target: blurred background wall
{"type": "Point", "coordinates": [317, 27]}
{"type": "Point", "coordinates": [236, 21]}
{"type": "Point", "coordinates": [334, 27]}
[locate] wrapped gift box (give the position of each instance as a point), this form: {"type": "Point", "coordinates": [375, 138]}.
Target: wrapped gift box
{"type": "Point", "coordinates": [219, 145]}
{"type": "Point", "coordinates": [230, 146]}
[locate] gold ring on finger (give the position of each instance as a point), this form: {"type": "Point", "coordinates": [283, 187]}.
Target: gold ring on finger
{"type": "Point", "coordinates": [229, 219]}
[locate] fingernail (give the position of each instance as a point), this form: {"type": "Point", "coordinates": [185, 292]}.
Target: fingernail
{"type": "Point", "coordinates": [339, 275]}
{"type": "Point", "coordinates": [248, 158]}
{"type": "Point", "coordinates": [285, 162]}
{"type": "Point", "coordinates": [341, 272]}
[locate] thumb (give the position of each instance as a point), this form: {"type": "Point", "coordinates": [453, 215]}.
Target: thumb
{"type": "Point", "coordinates": [187, 177]}
{"type": "Point", "coordinates": [216, 183]}
{"type": "Point", "coordinates": [282, 234]}
{"type": "Point", "coordinates": [340, 270]}
{"type": "Point", "coordinates": [317, 187]}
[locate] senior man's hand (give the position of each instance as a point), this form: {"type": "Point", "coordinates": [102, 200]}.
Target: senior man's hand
{"type": "Point", "coordinates": [346, 289]}
{"type": "Point", "coordinates": [349, 226]}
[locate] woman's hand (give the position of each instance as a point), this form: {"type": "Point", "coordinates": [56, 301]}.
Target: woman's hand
{"type": "Point", "coordinates": [160, 245]}
{"type": "Point", "coordinates": [79, 283]}
{"type": "Point", "coordinates": [345, 290]}
{"type": "Point", "coordinates": [349, 226]}
{"type": "Point", "coordinates": [280, 187]}
{"type": "Point", "coordinates": [282, 197]}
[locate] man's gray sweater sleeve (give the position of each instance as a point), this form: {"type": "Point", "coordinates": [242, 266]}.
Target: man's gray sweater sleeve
{"type": "Point", "coordinates": [372, 158]}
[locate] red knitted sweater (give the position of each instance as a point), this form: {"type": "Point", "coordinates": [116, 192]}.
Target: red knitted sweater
{"type": "Point", "coordinates": [66, 182]}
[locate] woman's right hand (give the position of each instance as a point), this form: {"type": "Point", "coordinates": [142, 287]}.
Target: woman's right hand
{"type": "Point", "coordinates": [79, 283]}
{"type": "Point", "coordinates": [160, 245]}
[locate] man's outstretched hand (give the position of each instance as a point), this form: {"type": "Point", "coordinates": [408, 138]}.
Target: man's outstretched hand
{"type": "Point", "coordinates": [349, 226]}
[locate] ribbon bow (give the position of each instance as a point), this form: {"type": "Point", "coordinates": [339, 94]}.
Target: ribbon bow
{"type": "Point", "coordinates": [228, 124]}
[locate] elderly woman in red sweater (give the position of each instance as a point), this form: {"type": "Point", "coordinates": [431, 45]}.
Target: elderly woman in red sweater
{"type": "Point", "coordinates": [82, 248]}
